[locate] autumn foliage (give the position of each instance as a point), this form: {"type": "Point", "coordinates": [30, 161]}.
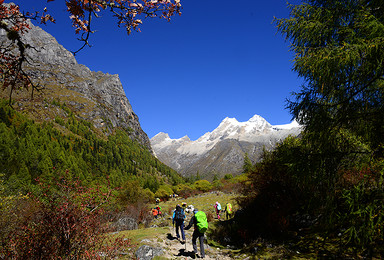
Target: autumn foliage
{"type": "Point", "coordinates": [62, 220]}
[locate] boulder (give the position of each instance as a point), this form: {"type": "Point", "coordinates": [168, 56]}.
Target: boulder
{"type": "Point", "coordinates": [146, 252]}
{"type": "Point", "coordinates": [125, 223]}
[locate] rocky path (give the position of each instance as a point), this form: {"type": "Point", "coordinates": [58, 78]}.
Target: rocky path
{"type": "Point", "coordinates": [173, 249]}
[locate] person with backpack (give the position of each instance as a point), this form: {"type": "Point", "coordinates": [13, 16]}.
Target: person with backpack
{"type": "Point", "coordinates": [178, 218]}
{"type": "Point", "coordinates": [200, 223]}
{"type": "Point", "coordinates": [228, 210]}
{"type": "Point", "coordinates": [158, 210]}
{"type": "Point", "coordinates": [155, 212]}
{"type": "Point", "coordinates": [184, 205]}
{"type": "Point", "coordinates": [217, 207]}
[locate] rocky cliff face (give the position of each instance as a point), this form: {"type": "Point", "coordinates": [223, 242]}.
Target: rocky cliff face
{"type": "Point", "coordinates": [93, 96]}
{"type": "Point", "coordinates": [221, 151]}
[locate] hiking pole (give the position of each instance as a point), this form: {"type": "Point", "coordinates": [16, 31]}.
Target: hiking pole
{"type": "Point", "coordinates": [173, 229]}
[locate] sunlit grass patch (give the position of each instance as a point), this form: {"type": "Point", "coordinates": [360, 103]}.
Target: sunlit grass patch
{"type": "Point", "coordinates": [138, 235]}
{"type": "Point", "coordinates": [203, 202]}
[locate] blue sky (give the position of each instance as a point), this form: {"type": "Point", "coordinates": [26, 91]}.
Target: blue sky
{"type": "Point", "coordinates": [219, 59]}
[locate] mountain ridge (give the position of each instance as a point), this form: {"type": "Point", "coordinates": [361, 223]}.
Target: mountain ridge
{"type": "Point", "coordinates": [80, 123]}
{"type": "Point", "coordinates": [221, 151]}
{"type": "Point", "coordinates": [93, 96]}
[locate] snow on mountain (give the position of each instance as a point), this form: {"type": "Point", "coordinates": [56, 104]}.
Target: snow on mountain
{"type": "Point", "coordinates": [222, 149]}
{"type": "Point", "coordinates": [229, 128]}
{"type": "Point", "coordinates": [291, 125]}
{"type": "Point", "coordinates": [162, 140]}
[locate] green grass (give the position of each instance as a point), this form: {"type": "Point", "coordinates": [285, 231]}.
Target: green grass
{"type": "Point", "coordinates": [160, 258]}
{"type": "Point", "coordinates": [139, 235]}
{"type": "Point", "coordinates": [203, 202]}
{"type": "Point", "coordinates": [307, 248]}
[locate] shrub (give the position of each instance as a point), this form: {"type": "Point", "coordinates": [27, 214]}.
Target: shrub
{"type": "Point", "coordinates": [360, 210]}
{"type": "Point", "coordinates": [178, 189]}
{"type": "Point", "coordinates": [202, 185]}
{"type": "Point", "coordinates": [210, 217]}
{"type": "Point", "coordinates": [148, 195]}
{"type": "Point", "coordinates": [9, 207]}
{"type": "Point", "coordinates": [186, 191]}
{"type": "Point", "coordinates": [164, 191]}
{"type": "Point", "coordinates": [229, 186]}
{"type": "Point", "coordinates": [133, 193]}
{"type": "Point", "coordinates": [217, 185]}
{"type": "Point", "coordinates": [62, 220]}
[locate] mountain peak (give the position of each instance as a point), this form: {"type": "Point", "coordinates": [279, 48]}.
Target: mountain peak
{"type": "Point", "coordinates": [256, 118]}
{"type": "Point", "coordinates": [222, 150]}
{"type": "Point", "coordinates": [185, 138]}
{"type": "Point", "coordinates": [229, 120]}
{"type": "Point", "coordinates": [160, 137]}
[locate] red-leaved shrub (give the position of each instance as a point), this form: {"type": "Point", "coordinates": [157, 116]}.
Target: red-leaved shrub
{"type": "Point", "coordinates": [63, 220]}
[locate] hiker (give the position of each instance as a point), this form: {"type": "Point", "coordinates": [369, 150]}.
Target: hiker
{"type": "Point", "coordinates": [158, 210]}
{"type": "Point", "coordinates": [157, 201]}
{"type": "Point", "coordinates": [228, 210]}
{"type": "Point", "coordinates": [218, 209]}
{"type": "Point", "coordinates": [200, 223]}
{"type": "Point", "coordinates": [189, 209]}
{"type": "Point", "coordinates": [184, 205]}
{"type": "Point", "coordinates": [155, 212]}
{"type": "Point", "coordinates": [178, 218]}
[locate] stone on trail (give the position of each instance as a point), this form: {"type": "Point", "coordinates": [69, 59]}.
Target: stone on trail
{"type": "Point", "coordinates": [146, 252]}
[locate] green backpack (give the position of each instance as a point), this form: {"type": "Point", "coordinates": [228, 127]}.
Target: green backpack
{"type": "Point", "coordinates": [202, 223]}
{"type": "Point", "coordinates": [229, 208]}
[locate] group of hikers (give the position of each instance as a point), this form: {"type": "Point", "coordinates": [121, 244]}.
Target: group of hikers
{"type": "Point", "coordinates": [228, 210]}
{"type": "Point", "coordinates": [198, 221]}
{"type": "Point", "coordinates": [156, 211]}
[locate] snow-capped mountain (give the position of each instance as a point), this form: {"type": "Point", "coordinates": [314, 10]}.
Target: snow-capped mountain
{"type": "Point", "coordinates": [221, 151]}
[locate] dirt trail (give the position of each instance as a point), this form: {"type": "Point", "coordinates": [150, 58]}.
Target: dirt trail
{"type": "Point", "coordinates": [175, 250]}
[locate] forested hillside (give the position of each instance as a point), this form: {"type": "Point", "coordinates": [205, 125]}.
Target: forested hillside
{"type": "Point", "coordinates": [30, 150]}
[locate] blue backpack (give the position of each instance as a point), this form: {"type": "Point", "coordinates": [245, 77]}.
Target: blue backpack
{"type": "Point", "coordinates": [179, 214]}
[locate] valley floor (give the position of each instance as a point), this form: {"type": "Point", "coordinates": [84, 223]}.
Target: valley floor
{"type": "Point", "coordinates": [161, 235]}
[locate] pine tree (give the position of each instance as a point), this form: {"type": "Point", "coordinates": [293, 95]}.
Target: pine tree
{"type": "Point", "coordinates": [247, 165]}
{"type": "Point", "coordinates": [339, 52]}
{"type": "Point", "coordinates": [21, 180]}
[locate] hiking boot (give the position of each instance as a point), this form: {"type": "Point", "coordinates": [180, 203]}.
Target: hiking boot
{"type": "Point", "coordinates": [193, 255]}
